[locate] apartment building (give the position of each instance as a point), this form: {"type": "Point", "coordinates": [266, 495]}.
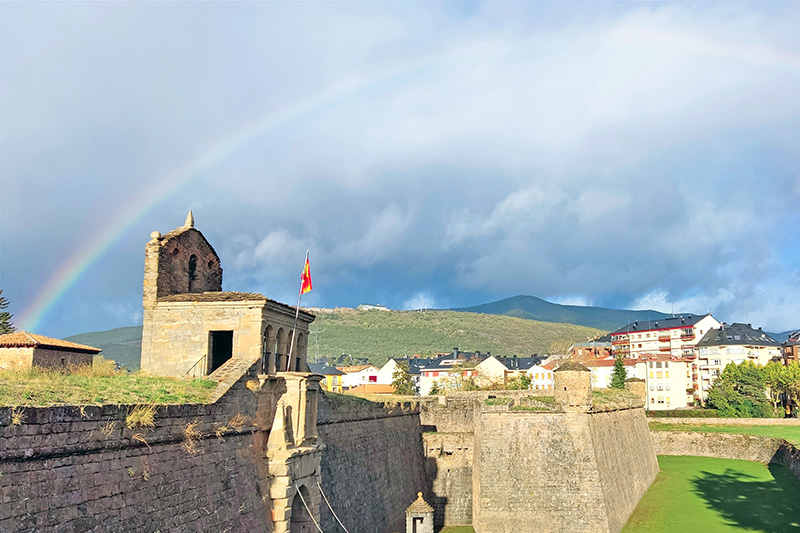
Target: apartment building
{"type": "Point", "coordinates": [669, 381]}
{"type": "Point", "coordinates": [732, 343]}
{"type": "Point", "coordinates": [673, 336]}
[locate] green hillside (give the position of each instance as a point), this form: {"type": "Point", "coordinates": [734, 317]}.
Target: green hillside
{"type": "Point", "coordinates": [123, 345]}
{"type": "Point", "coordinates": [379, 335]}
{"type": "Point", "coordinates": [534, 308]}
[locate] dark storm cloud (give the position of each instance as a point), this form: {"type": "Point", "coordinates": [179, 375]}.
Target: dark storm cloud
{"type": "Point", "coordinates": [617, 155]}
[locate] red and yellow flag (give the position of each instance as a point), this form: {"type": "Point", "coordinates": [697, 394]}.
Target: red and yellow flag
{"type": "Point", "coordinates": [305, 279]}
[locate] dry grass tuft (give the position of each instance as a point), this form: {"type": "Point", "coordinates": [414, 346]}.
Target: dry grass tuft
{"type": "Point", "coordinates": [139, 437]}
{"type": "Point", "coordinates": [141, 416]}
{"type": "Point", "coordinates": [18, 417]}
{"type": "Point", "coordinates": [108, 429]}
{"type": "Point", "coordinates": [191, 436]}
{"type": "Point", "coordinates": [238, 421]}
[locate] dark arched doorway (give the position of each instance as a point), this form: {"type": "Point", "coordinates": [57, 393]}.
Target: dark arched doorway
{"type": "Point", "coordinates": [301, 520]}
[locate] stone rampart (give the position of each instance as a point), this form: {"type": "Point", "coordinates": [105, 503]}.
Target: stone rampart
{"type": "Point", "coordinates": [728, 446]}
{"type": "Point", "coordinates": [84, 469]}
{"type": "Point", "coordinates": [559, 471]}
{"type": "Point", "coordinates": [373, 465]}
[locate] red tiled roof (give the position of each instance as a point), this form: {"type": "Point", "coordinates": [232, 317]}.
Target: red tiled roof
{"type": "Point", "coordinates": [372, 388]}
{"type": "Point", "coordinates": [23, 339]}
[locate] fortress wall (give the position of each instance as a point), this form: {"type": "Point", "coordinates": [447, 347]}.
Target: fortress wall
{"type": "Point", "coordinates": [536, 472]}
{"type": "Point", "coordinates": [626, 460]}
{"type": "Point", "coordinates": [722, 445]}
{"type": "Point", "coordinates": [82, 469]}
{"type": "Point", "coordinates": [729, 421]}
{"type": "Point", "coordinates": [448, 461]}
{"type": "Point", "coordinates": [372, 465]}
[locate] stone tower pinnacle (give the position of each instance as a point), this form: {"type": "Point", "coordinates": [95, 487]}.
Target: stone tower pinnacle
{"type": "Point", "coordinates": [189, 221]}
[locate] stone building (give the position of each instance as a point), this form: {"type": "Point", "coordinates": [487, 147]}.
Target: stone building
{"type": "Point", "coordinates": [22, 350]}
{"type": "Point", "coordinates": [191, 327]}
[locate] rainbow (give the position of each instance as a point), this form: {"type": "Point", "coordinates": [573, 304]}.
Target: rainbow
{"type": "Point", "coordinates": [135, 210]}
{"type": "Point", "coordinates": [627, 34]}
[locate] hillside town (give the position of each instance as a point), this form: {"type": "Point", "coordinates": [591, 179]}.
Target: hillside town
{"type": "Point", "coordinates": [678, 358]}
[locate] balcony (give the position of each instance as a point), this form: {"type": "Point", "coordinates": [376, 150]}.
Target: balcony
{"type": "Point", "coordinates": [686, 337]}
{"type": "Point", "coordinates": [664, 338]}
{"type": "Point", "coordinates": [664, 348]}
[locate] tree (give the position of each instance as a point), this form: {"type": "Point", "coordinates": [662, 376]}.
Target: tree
{"type": "Point", "coordinates": [774, 379]}
{"type": "Point", "coordinates": [519, 382]}
{"type": "Point", "coordinates": [791, 382]}
{"type": "Point", "coordinates": [740, 392]}
{"type": "Point", "coordinates": [5, 317]}
{"type": "Point", "coordinates": [619, 375]}
{"type": "Point", "coordinates": [402, 381]}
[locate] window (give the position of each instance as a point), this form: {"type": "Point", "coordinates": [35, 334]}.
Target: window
{"type": "Point", "coordinates": [658, 364]}
{"type": "Point", "coordinates": [651, 375]}
{"type": "Point", "coordinates": [658, 375]}
{"type": "Point", "coordinates": [667, 387]}
{"type": "Point", "coordinates": [666, 364]}
{"type": "Point", "coordinates": [652, 400]}
{"type": "Point", "coordinates": [652, 387]}
{"type": "Point", "coordinates": [659, 387]}
{"type": "Point", "coordinates": [640, 346]}
{"type": "Point", "coordinates": [651, 364]}
{"type": "Point", "coordinates": [666, 374]}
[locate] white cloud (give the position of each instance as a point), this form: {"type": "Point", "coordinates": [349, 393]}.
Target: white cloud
{"type": "Point", "coordinates": [421, 300]}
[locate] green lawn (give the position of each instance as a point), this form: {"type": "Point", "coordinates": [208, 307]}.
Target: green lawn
{"type": "Point", "coordinates": [457, 529]}
{"type": "Point", "coordinates": [716, 495]}
{"type": "Point", "coordinates": [790, 433]}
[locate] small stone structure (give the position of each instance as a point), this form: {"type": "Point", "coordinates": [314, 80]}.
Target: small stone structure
{"type": "Point", "coordinates": [573, 387]}
{"type": "Point", "coordinates": [22, 350]}
{"type": "Point", "coordinates": [419, 516]}
{"type": "Point", "coordinates": [191, 327]}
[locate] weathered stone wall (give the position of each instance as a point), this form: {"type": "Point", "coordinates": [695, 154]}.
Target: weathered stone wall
{"type": "Point", "coordinates": [48, 358]}
{"type": "Point", "coordinates": [372, 466]}
{"type": "Point", "coordinates": [540, 472]}
{"type": "Point", "coordinates": [169, 259]}
{"type": "Point", "coordinates": [18, 358]}
{"type": "Point", "coordinates": [448, 459]}
{"type": "Point", "coordinates": [82, 469]}
{"type": "Point", "coordinates": [721, 445]}
{"type": "Point", "coordinates": [536, 472]}
{"type": "Point", "coordinates": [175, 335]}
{"type": "Point", "coordinates": [626, 461]}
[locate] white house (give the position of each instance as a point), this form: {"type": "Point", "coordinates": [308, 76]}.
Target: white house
{"type": "Point", "coordinates": [358, 375]}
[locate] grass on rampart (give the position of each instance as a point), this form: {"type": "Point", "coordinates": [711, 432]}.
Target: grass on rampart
{"type": "Point", "coordinates": [719, 495]}
{"type": "Point", "coordinates": [97, 385]}
{"type": "Point", "coordinates": [789, 433]}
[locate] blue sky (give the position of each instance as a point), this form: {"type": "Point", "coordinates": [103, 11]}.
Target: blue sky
{"type": "Point", "coordinates": [628, 155]}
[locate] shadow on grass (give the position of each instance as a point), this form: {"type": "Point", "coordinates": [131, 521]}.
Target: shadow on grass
{"type": "Point", "coordinates": [751, 504]}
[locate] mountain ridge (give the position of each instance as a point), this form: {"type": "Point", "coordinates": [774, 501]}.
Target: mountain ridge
{"type": "Point", "coordinates": [535, 308]}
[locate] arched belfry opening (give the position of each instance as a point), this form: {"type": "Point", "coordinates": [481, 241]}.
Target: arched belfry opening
{"type": "Point", "coordinates": [192, 271]}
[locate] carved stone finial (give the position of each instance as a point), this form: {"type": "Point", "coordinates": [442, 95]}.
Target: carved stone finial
{"type": "Point", "coordinates": [189, 221]}
{"type": "Point", "coordinates": [155, 235]}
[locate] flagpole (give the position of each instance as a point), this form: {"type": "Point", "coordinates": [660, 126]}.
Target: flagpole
{"type": "Point", "coordinates": [296, 316]}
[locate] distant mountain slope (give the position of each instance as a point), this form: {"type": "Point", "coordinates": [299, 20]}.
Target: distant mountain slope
{"type": "Point", "coordinates": [379, 335]}
{"type": "Point", "coordinates": [123, 345]}
{"type": "Point", "coordinates": [534, 308]}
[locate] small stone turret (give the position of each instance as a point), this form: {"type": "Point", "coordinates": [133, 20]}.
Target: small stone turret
{"type": "Point", "coordinates": [419, 516]}
{"type": "Point", "coordinates": [637, 386]}
{"type": "Point", "coordinates": [573, 387]}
